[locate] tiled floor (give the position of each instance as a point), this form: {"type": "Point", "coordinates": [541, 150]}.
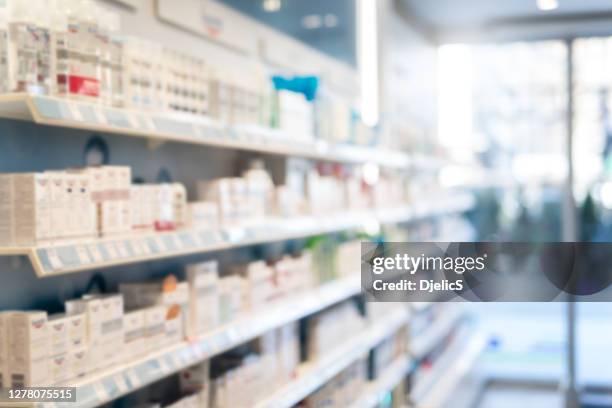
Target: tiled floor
{"type": "Point", "coordinates": [508, 396]}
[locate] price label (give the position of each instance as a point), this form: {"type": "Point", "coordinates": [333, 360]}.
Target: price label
{"type": "Point", "coordinates": [112, 251]}
{"type": "Point", "coordinates": [75, 112]}
{"type": "Point", "coordinates": [132, 378]}
{"type": "Point", "coordinates": [146, 247]}
{"type": "Point", "coordinates": [149, 124]}
{"type": "Point", "coordinates": [137, 247]}
{"type": "Point", "coordinates": [101, 393]}
{"type": "Point", "coordinates": [83, 254]}
{"type": "Point", "coordinates": [54, 258]}
{"type": "Point", "coordinates": [100, 116]}
{"type": "Point", "coordinates": [121, 384]}
{"type": "Point", "coordinates": [122, 249]}
{"type": "Point", "coordinates": [133, 120]}
{"type": "Point", "coordinates": [159, 241]}
{"type": "Point", "coordinates": [95, 253]}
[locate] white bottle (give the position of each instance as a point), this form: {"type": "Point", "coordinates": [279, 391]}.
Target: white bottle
{"type": "Point", "coordinates": [22, 47]}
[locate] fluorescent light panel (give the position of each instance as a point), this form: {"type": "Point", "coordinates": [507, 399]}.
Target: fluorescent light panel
{"type": "Point", "coordinates": [548, 5]}
{"type": "Point", "coordinates": [368, 55]}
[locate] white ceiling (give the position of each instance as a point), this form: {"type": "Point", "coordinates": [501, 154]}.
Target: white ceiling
{"type": "Point", "coordinates": [450, 14]}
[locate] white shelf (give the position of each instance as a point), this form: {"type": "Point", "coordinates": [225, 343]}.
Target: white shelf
{"type": "Point", "coordinates": [66, 257]}
{"type": "Point", "coordinates": [118, 381]}
{"type": "Point", "coordinates": [438, 385]}
{"type": "Point", "coordinates": [315, 374]}
{"type": "Point", "coordinates": [186, 128]}
{"type": "Point", "coordinates": [376, 390]}
{"type": "Point", "coordinates": [424, 342]}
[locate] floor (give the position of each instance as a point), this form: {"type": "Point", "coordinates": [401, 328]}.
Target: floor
{"type": "Point", "coordinates": [510, 396]}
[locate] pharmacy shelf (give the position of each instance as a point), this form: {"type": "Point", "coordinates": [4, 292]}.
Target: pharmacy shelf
{"type": "Point", "coordinates": [437, 331]}
{"type": "Point", "coordinates": [315, 374]}
{"type": "Point", "coordinates": [106, 386]}
{"type": "Point", "coordinates": [69, 257]}
{"type": "Point", "coordinates": [437, 386]}
{"type": "Point", "coordinates": [186, 128]}
{"type": "Point", "coordinates": [376, 390]}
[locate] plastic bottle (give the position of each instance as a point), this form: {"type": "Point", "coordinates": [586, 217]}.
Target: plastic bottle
{"type": "Point", "coordinates": [22, 47]}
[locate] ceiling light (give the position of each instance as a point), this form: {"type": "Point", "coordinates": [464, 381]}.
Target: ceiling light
{"type": "Point", "coordinates": [368, 60]}
{"type": "Point", "coordinates": [312, 21]}
{"type": "Point", "coordinates": [331, 20]}
{"type": "Point", "coordinates": [271, 6]}
{"type": "Point", "coordinates": [548, 5]}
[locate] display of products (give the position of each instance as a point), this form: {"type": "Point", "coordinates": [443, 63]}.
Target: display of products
{"type": "Point", "coordinates": [341, 390]}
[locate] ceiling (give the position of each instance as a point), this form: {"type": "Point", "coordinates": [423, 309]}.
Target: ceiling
{"type": "Point", "coordinates": [323, 24]}
{"type": "Point", "coordinates": [452, 14]}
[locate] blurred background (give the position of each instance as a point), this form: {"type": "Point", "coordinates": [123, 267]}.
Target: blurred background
{"type": "Point", "coordinates": [507, 101]}
{"type": "Point", "coordinates": [517, 95]}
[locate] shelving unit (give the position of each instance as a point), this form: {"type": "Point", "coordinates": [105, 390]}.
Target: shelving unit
{"type": "Point", "coordinates": [111, 384]}
{"type": "Point", "coordinates": [424, 342]}
{"type": "Point", "coordinates": [69, 257]}
{"type": "Point", "coordinates": [314, 374]}
{"type": "Point", "coordinates": [160, 127]}
{"type": "Point", "coordinates": [393, 375]}
{"type": "Point", "coordinates": [437, 386]}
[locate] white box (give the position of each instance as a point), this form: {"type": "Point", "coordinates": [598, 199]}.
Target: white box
{"type": "Point", "coordinates": [28, 349]}
{"type": "Point", "coordinates": [7, 211]}
{"type": "Point", "coordinates": [230, 298]}
{"type": "Point", "coordinates": [59, 343]}
{"type": "Point", "coordinates": [202, 215]}
{"type": "Point", "coordinates": [4, 334]}
{"type": "Point", "coordinates": [79, 363]}
{"type": "Point", "coordinates": [203, 281]}
{"type": "Point", "coordinates": [32, 213]}
{"type": "Point", "coordinates": [167, 292]}
{"type": "Point", "coordinates": [84, 208]}
{"type": "Point", "coordinates": [58, 204]}
{"type": "Point", "coordinates": [112, 329]}
{"type": "Point", "coordinates": [134, 334]}
{"type": "Point", "coordinates": [179, 205]}
{"type": "Point", "coordinates": [155, 323]}
{"type": "Point", "coordinates": [60, 369]}
{"type": "Point", "coordinates": [92, 309]}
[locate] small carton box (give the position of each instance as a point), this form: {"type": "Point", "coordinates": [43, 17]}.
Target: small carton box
{"type": "Point", "coordinates": [32, 209]}
{"type": "Point", "coordinates": [155, 323]}
{"type": "Point", "coordinates": [7, 210]}
{"type": "Point", "coordinates": [203, 279]}
{"type": "Point", "coordinates": [134, 334]}
{"type": "Point", "coordinates": [202, 215]}
{"type": "Point", "coordinates": [79, 363]}
{"type": "Point", "coordinates": [4, 334]}
{"type": "Point", "coordinates": [58, 204]}
{"type": "Point", "coordinates": [60, 369]}
{"type": "Point", "coordinates": [59, 342]}
{"type": "Point", "coordinates": [28, 349]}
{"type": "Point", "coordinates": [91, 307]}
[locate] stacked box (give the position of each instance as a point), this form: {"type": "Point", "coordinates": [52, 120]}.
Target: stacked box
{"type": "Point", "coordinates": [203, 281]}
{"type": "Point", "coordinates": [28, 349]}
